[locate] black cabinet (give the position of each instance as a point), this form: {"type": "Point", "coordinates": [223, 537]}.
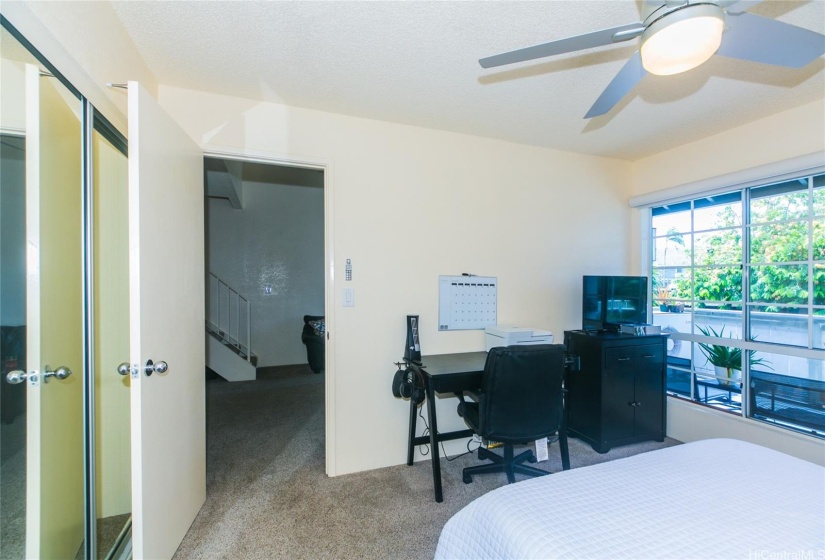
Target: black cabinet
{"type": "Point", "coordinates": [618, 396]}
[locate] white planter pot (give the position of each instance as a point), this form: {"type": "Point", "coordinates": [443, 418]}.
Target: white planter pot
{"type": "Point", "coordinates": [727, 376]}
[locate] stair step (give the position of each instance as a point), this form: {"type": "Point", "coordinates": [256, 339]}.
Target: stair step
{"type": "Point", "coordinates": [236, 346]}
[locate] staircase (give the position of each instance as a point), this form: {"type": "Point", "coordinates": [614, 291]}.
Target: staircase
{"type": "Point", "coordinates": [229, 332]}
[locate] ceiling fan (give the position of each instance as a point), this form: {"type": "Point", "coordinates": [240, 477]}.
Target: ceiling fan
{"type": "Point", "coordinates": [678, 35]}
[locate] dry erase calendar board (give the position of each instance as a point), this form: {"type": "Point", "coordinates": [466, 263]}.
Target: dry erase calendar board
{"type": "Point", "coordinates": [466, 302]}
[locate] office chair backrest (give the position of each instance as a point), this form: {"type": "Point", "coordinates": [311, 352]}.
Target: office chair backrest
{"type": "Point", "coordinates": [521, 397]}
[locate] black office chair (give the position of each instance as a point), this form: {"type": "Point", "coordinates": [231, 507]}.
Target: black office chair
{"type": "Point", "coordinates": [521, 400]}
{"type": "Point", "coordinates": [314, 338]}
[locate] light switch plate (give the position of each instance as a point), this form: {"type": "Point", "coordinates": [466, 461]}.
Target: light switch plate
{"type": "Point", "coordinates": [349, 297]}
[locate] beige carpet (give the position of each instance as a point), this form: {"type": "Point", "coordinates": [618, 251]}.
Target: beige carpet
{"type": "Point", "coordinates": [268, 496]}
{"type": "Point", "coordinates": [13, 489]}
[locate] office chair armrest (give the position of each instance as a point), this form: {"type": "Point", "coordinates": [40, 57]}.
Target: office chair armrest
{"type": "Point", "coordinates": [475, 394]}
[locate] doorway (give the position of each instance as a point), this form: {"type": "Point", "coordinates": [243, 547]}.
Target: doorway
{"type": "Point", "coordinates": [265, 244]}
{"type": "Point", "coordinates": [266, 263]}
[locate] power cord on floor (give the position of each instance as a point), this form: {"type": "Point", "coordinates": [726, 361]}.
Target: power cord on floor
{"type": "Point", "coordinates": [424, 448]}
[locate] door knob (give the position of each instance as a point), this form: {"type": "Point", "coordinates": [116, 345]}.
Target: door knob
{"type": "Point", "coordinates": [61, 373]}
{"type": "Point", "coordinates": [17, 376]}
{"type": "Point", "coordinates": [151, 367]}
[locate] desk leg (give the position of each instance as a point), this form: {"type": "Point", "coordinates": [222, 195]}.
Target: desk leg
{"type": "Point", "coordinates": [565, 451]}
{"type": "Point", "coordinates": [410, 444]}
{"type": "Point", "coordinates": [565, 417]}
{"type": "Point", "coordinates": [434, 452]}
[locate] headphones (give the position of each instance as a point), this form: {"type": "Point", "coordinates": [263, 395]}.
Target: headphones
{"type": "Point", "coordinates": [405, 384]}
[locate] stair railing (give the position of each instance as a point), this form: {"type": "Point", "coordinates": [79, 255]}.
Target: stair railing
{"type": "Point", "coordinates": [229, 316]}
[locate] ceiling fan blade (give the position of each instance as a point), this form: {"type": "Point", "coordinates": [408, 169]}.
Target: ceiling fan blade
{"type": "Point", "coordinates": [656, 4]}
{"type": "Point", "coordinates": [627, 78]}
{"type": "Point", "coordinates": [738, 6]}
{"type": "Point", "coordinates": [570, 44]}
{"type": "Point", "coordinates": [759, 39]}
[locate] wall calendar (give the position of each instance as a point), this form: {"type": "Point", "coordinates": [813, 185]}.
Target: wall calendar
{"type": "Point", "coordinates": [466, 302]}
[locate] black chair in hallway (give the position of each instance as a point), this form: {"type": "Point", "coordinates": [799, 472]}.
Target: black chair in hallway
{"type": "Point", "coordinates": [313, 336]}
{"type": "Point", "coordinates": [521, 400]}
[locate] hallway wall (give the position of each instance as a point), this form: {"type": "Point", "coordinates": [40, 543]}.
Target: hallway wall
{"type": "Point", "coordinates": [276, 240]}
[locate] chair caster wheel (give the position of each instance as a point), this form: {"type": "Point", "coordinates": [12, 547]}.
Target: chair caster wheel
{"type": "Point", "coordinates": [532, 459]}
{"type": "Point", "coordinates": [467, 478]}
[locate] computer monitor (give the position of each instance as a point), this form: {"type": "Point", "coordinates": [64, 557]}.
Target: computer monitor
{"type": "Point", "coordinates": [610, 301]}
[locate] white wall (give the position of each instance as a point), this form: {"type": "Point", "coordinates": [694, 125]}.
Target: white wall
{"type": "Point", "coordinates": [277, 239]}
{"type": "Point", "coordinates": [767, 142]}
{"type": "Point", "coordinates": [776, 138]}
{"type": "Point", "coordinates": [411, 203]}
{"type": "Point", "coordinates": [689, 422]}
{"type": "Point", "coordinates": [13, 98]}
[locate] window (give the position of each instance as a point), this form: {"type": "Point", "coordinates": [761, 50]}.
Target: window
{"type": "Point", "coordinates": [738, 280]}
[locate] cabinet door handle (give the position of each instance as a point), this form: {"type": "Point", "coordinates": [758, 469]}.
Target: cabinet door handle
{"type": "Point", "coordinates": [648, 356]}
{"type": "Point", "coordinates": [624, 359]}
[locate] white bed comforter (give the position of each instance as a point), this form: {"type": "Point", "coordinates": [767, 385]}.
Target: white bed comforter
{"type": "Point", "coordinates": [718, 498]}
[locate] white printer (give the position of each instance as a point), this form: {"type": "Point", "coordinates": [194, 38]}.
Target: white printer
{"type": "Point", "coordinates": [501, 335]}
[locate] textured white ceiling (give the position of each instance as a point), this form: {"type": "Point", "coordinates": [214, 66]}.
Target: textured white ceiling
{"type": "Point", "coordinates": [416, 62]}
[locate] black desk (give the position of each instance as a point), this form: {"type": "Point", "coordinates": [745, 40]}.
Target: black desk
{"type": "Point", "coordinates": [444, 373]}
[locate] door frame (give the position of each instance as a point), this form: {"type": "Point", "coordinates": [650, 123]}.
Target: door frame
{"type": "Point", "coordinates": [325, 165]}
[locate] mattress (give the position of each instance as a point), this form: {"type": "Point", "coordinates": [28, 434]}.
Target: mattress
{"type": "Point", "coordinates": [718, 498]}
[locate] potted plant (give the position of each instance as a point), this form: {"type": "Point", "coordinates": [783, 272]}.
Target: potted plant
{"type": "Point", "coordinates": [725, 359]}
{"type": "Point", "coordinates": [664, 299]}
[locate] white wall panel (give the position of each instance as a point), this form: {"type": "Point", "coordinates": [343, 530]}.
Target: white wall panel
{"type": "Point", "coordinates": [688, 422]}
{"type": "Point", "coordinates": [13, 100]}
{"type": "Point", "coordinates": [790, 134]}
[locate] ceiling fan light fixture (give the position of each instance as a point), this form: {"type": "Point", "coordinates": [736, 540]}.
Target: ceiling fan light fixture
{"type": "Point", "coordinates": [683, 39]}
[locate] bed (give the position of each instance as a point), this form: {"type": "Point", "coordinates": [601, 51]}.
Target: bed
{"type": "Point", "coordinates": [718, 498]}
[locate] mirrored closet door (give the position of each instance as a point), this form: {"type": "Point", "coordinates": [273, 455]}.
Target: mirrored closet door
{"type": "Point", "coordinates": [45, 356]}
{"type": "Point", "coordinates": [54, 318]}
{"type": "Point", "coordinates": [111, 414]}
{"type": "Point", "coordinates": [64, 310]}
{"type": "Point", "coordinates": [13, 327]}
